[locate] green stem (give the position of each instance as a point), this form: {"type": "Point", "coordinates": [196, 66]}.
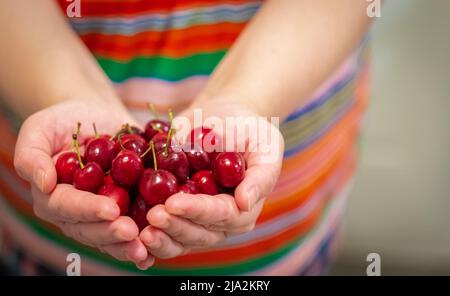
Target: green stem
{"type": "Point", "coordinates": [152, 109]}
{"type": "Point", "coordinates": [95, 130]}
{"type": "Point", "coordinates": [155, 165]}
{"type": "Point", "coordinates": [77, 148]}
{"type": "Point", "coordinates": [166, 149]}
{"type": "Point", "coordinates": [147, 150]}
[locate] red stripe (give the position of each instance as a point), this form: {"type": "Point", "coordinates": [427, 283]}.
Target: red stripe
{"type": "Point", "coordinates": [128, 8]}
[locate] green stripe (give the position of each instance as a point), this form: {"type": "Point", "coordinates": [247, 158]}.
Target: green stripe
{"type": "Point", "coordinates": [171, 69]}
{"type": "Point", "coordinates": [243, 267]}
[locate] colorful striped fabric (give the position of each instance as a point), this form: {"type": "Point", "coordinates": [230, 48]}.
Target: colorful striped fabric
{"type": "Point", "coordinates": [162, 52]}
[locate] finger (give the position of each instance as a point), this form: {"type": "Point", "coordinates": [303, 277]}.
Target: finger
{"type": "Point", "coordinates": [32, 157]}
{"type": "Point", "coordinates": [189, 234]}
{"type": "Point", "coordinates": [264, 160]}
{"type": "Point", "coordinates": [70, 205]}
{"type": "Point", "coordinates": [204, 209]}
{"type": "Point", "coordinates": [133, 251]}
{"type": "Point", "coordinates": [245, 223]}
{"type": "Point", "coordinates": [160, 244]}
{"type": "Point", "coordinates": [146, 264]}
{"type": "Point", "coordinates": [101, 233]}
{"type": "Point", "coordinates": [258, 182]}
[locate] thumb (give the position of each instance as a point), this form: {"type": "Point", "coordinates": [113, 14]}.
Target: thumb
{"type": "Point", "coordinates": [32, 157]}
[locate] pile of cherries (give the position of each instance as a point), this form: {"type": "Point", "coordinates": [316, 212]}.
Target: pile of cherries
{"type": "Point", "coordinates": [142, 168]}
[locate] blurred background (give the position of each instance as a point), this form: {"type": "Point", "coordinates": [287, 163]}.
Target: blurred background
{"type": "Point", "coordinates": [400, 206]}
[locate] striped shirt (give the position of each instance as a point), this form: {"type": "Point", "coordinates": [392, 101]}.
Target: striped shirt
{"type": "Point", "coordinates": [163, 52]}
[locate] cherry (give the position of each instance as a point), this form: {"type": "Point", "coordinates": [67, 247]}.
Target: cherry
{"type": "Point", "coordinates": [198, 160]}
{"type": "Point", "coordinates": [109, 180]}
{"type": "Point", "coordinates": [133, 142]}
{"type": "Point", "coordinates": [206, 181]}
{"type": "Point", "coordinates": [190, 187]}
{"type": "Point", "coordinates": [174, 162]}
{"type": "Point", "coordinates": [229, 168]}
{"type": "Point", "coordinates": [127, 168]}
{"type": "Point", "coordinates": [156, 185]}
{"type": "Point", "coordinates": [206, 139]}
{"type": "Point", "coordinates": [156, 126]}
{"type": "Point", "coordinates": [89, 139]}
{"type": "Point", "coordinates": [118, 194]}
{"type": "Point", "coordinates": [101, 150]}
{"type": "Point", "coordinates": [66, 165]}
{"type": "Point", "coordinates": [139, 211]}
{"type": "Point", "coordinates": [89, 178]}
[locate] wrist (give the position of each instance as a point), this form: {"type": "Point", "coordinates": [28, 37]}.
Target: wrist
{"type": "Point", "coordinates": [232, 98]}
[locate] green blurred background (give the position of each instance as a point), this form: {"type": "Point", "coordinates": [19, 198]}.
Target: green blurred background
{"type": "Point", "coordinates": [400, 206]}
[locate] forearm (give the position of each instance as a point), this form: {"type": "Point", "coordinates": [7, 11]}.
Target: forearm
{"type": "Point", "coordinates": [286, 52]}
{"type": "Point", "coordinates": [42, 61]}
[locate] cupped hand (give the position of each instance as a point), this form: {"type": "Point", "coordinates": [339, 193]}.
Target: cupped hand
{"type": "Point", "coordinates": [188, 221]}
{"type": "Point", "coordinates": [88, 218]}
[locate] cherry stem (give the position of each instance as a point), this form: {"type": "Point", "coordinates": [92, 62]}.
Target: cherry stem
{"type": "Point", "coordinates": [155, 165]}
{"type": "Point", "coordinates": [120, 142]}
{"type": "Point", "coordinates": [146, 151]}
{"type": "Point", "coordinates": [170, 116]}
{"type": "Point", "coordinates": [123, 129]}
{"type": "Point", "coordinates": [77, 148]}
{"type": "Point", "coordinates": [95, 130]}
{"type": "Point", "coordinates": [152, 109]}
{"type": "Point", "coordinates": [171, 130]}
{"type": "Point", "coordinates": [166, 149]}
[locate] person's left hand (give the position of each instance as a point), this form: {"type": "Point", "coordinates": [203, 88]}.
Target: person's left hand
{"type": "Point", "coordinates": [188, 221]}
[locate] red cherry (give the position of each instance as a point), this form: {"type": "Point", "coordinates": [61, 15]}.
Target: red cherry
{"type": "Point", "coordinates": [156, 186]}
{"type": "Point", "coordinates": [207, 140]}
{"type": "Point", "coordinates": [89, 139]}
{"type": "Point", "coordinates": [139, 211]}
{"type": "Point", "coordinates": [66, 165]}
{"type": "Point", "coordinates": [109, 180]}
{"type": "Point", "coordinates": [101, 151]}
{"type": "Point", "coordinates": [198, 160]}
{"type": "Point", "coordinates": [175, 162]}
{"type": "Point", "coordinates": [118, 194]}
{"type": "Point", "coordinates": [229, 168]}
{"type": "Point", "coordinates": [133, 142]}
{"type": "Point", "coordinates": [206, 181]}
{"type": "Point", "coordinates": [127, 168]}
{"type": "Point", "coordinates": [89, 178]}
{"type": "Point", "coordinates": [190, 187]}
{"type": "Point", "coordinates": [154, 127]}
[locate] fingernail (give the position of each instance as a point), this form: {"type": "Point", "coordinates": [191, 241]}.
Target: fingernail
{"type": "Point", "coordinates": [39, 178]}
{"type": "Point", "coordinates": [174, 208]}
{"type": "Point", "coordinates": [146, 237]}
{"type": "Point", "coordinates": [144, 265]}
{"type": "Point", "coordinates": [109, 212]}
{"type": "Point", "coordinates": [252, 197]}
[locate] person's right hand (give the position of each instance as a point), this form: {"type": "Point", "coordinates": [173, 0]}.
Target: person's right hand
{"type": "Point", "coordinates": [88, 218]}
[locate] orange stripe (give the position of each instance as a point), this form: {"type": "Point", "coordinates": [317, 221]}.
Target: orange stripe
{"type": "Point", "coordinates": [174, 43]}
{"type": "Point", "coordinates": [298, 198]}
{"type": "Point", "coordinates": [253, 250]}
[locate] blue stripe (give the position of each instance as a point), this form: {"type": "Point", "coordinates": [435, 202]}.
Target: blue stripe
{"type": "Point", "coordinates": [307, 142]}
{"type": "Point", "coordinates": [321, 100]}
{"type": "Point", "coordinates": [153, 23]}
